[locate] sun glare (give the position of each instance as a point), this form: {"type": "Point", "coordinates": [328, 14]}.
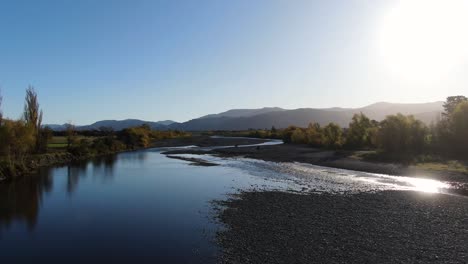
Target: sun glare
{"type": "Point", "coordinates": [423, 40]}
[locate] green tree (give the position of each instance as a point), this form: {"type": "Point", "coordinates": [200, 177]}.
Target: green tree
{"type": "Point", "coordinates": [18, 139]}
{"type": "Point", "coordinates": [298, 136]}
{"type": "Point", "coordinates": [287, 134]}
{"type": "Point", "coordinates": [359, 134]}
{"type": "Point", "coordinates": [314, 135]}
{"type": "Point", "coordinates": [400, 133]}
{"type": "Point", "coordinates": [459, 127]}
{"type": "Point", "coordinates": [447, 135]}
{"type": "Point", "coordinates": [451, 104]}
{"type": "Point", "coordinates": [332, 136]}
{"type": "Point", "coordinates": [45, 135]}
{"type": "Point", "coordinates": [70, 134]}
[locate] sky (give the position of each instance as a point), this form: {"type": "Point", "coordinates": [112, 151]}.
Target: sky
{"type": "Point", "coordinates": [154, 60]}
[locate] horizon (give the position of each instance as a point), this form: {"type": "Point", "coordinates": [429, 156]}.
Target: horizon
{"type": "Point", "coordinates": [175, 60]}
{"type": "Point", "coordinates": [286, 109]}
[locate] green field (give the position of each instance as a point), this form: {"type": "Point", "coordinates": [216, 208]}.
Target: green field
{"type": "Point", "coordinates": [57, 143]}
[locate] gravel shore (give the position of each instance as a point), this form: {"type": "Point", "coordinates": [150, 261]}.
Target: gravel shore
{"type": "Point", "coordinates": [207, 141]}
{"type": "Point", "coordinates": [305, 154]}
{"type": "Point", "coordinates": [383, 227]}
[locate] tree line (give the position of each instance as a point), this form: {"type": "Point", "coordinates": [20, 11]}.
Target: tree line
{"type": "Point", "coordinates": [23, 138]}
{"type": "Point", "coordinates": [396, 134]}
{"type": "Point", "coordinates": [19, 138]}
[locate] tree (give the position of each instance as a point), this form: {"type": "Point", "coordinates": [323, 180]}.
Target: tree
{"type": "Point", "coordinates": [298, 136]}
{"type": "Point", "coordinates": [400, 133]}
{"type": "Point", "coordinates": [314, 135]}
{"type": "Point", "coordinates": [71, 135]}
{"type": "Point", "coordinates": [287, 134]}
{"type": "Point", "coordinates": [45, 135]}
{"type": "Point", "coordinates": [18, 139]}
{"type": "Point", "coordinates": [359, 134]}
{"type": "Point", "coordinates": [451, 104]}
{"type": "Point", "coordinates": [332, 136]}
{"type": "Point", "coordinates": [32, 114]}
{"type": "Point", "coordinates": [1, 113]}
{"type": "Point", "coordinates": [459, 127]}
{"type": "Point", "coordinates": [447, 134]}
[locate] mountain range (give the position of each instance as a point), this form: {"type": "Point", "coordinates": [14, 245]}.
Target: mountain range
{"type": "Point", "coordinates": [242, 119]}
{"type": "Point", "coordinates": [117, 125]}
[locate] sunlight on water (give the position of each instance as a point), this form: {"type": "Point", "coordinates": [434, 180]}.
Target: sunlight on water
{"type": "Point", "coordinates": [408, 183]}
{"type": "Point", "coordinates": [425, 185]}
{"type": "Point", "coordinates": [308, 177]}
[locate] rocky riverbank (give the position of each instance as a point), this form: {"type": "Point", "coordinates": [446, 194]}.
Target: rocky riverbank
{"type": "Point", "coordinates": [384, 227]}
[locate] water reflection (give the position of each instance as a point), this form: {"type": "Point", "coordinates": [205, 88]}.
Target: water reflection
{"type": "Point", "coordinates": [139, 156]}
{"type": "Point", "coordinates": [20, 200]}
{"type": "Point", "coordinates": [74, 173]}
{"type": "Point", "coordinates": [104, 166]}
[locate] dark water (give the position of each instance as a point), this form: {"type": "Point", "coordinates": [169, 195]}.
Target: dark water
{"type": "Point", "coordinates": [142, 207]}
{"type": "Point", "coordinates": [133, 208]}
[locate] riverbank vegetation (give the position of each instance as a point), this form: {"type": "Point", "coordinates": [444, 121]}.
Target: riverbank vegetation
{"type": "Point", "coordinates": [26, 144]}
{"type": "Point", "coordinates": [396, 138]}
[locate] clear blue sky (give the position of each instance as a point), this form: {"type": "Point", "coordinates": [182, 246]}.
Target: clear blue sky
{"type": "Point", "coordinates": [156, 59]}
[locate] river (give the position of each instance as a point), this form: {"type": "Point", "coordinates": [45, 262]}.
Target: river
{"type": "Point", "coordinates": [143, 207]}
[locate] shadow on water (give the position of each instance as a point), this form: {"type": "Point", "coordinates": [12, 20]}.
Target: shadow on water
{"type": "Point", "coordinates": [20, 200]}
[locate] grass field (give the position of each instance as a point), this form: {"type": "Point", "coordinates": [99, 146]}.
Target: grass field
{"type": "Point", "coordinates": [425, 162]}
{"type": "Point", "coordinates": [449, 166]}
{"type": "Point", "coordinates": [57, 143]}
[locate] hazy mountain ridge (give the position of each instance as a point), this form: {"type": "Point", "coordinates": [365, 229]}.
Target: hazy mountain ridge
{"type": "Point", "coordinates": [426, 112]}
{"type": "Point", "coordinates": [117, 124]}
{"type": "Point", "coordinates": [242, 119]}
{"type": "Point", "coordinates": [244, 112]}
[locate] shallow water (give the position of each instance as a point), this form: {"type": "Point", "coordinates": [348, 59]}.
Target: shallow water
{"type": "Point", "coordinates": [142, 207]}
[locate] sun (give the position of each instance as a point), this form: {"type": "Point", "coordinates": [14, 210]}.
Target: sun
{"type": "Point", "coordinates": [424, 40]}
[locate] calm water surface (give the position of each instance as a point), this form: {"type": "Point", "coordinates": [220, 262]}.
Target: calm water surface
{"type": "Point", "coordinates": [135, 207]}
{"type": "Point", "coordinates": [142, 207]}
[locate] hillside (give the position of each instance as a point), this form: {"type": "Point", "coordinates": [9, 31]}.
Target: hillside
{"type": "Point", "coordinates": [426, 112]}
{"type": "Point", "coordinates": [242, 119]}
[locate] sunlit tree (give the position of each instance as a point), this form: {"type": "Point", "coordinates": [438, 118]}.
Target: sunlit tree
{"type": "Point", "coordinates": [360, 132]}
{"type": "Point", "coordinates": [451, 104]}
{"type": "Point", "coordinates": [400, 133]}
{"type": "Point", "coordinates": [332, 135]}
{"type": "Point", "coordinates": [33, 115]}
{"type": "Point", "coordinates": [314, 135]}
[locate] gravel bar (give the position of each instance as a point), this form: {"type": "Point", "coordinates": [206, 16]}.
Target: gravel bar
{"type": "Point", "coordinates": [382, 227]}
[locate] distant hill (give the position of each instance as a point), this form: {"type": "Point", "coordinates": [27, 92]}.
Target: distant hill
{"type": "Point", "coordinates": [244, 112]}
{"type": "Point", "coordinates": [242, 119]}
{"type": "Point", "coordinates": [281, 118]}
{"type": "Point", "coordinates": [118, 125]}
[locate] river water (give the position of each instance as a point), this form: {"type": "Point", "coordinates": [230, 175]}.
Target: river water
{"type": "Point", "coordinates": [142, 207]}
